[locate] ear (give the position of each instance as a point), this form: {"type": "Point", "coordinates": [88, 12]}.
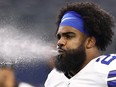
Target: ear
{"type": "Point", "coordinates": [90, 42]}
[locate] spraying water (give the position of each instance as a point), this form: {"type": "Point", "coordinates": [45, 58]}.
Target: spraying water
{"type": "Point", "coordinates": [15, 46]}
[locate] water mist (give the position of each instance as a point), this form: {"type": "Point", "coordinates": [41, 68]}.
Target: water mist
{"type": "Point", "coordinates": [16, 46]}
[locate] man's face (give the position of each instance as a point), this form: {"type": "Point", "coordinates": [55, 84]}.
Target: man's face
{"type": "Point", "coordinates": [71, 49]}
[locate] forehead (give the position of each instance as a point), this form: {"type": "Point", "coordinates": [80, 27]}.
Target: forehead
{"type": "Point", "coordinates": [64, 29]}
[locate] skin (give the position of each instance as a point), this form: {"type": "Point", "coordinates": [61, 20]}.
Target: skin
{"type": "Point", "coordinates": [7, 78]}
{"type": "Point", "coordinates": [70, 38]}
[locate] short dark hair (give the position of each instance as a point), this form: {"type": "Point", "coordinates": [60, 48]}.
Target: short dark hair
{"type": "Point", "coordinates": [97, 22]}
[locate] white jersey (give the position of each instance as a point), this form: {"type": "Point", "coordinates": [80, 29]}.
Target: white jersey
{"type": "Point", "coordinates": [99, 72]}
{"type": "Point", "coordinates": [23, 84]}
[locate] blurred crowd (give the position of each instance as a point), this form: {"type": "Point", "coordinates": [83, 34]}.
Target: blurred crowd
{"type": "Point", "coordinates": [8, 79]}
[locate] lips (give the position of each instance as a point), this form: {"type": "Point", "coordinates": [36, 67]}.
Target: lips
{"type": "Point", "coordinates": [60, 51]}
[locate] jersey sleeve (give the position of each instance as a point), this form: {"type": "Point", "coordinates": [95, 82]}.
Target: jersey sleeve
{"type": "Point", "coordinates": [111, 76]}
{"type": "Point", "coordinates": [106, 65]}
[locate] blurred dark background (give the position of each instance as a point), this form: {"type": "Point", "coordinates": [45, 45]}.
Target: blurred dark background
{"type": "Point", "coordinates": [38, 17]}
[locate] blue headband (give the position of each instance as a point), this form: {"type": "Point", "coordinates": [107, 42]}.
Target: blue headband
{"type": "Point", "coordinates": [74, 20]}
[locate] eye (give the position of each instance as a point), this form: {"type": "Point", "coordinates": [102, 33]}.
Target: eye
{"type": "Point", "coordinates": [69, 36]}
{"type": "Point", "coordinates": [58, 36]}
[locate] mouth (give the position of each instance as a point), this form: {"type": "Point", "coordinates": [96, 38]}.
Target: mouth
{"type": "Point", "coordinates": [61, 51]}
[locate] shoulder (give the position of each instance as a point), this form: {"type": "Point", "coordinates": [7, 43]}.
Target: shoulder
{"type": "Point", "coordinates": [110, 62]}
{"type": "Point", "coordinates": [107, 60]}
{"type": "Point", "coordinates": [55, 78]}
{"type": "Point", "coordinates": [107, 65]}
{"type": "Point", "coordinates": [23, 84]}
{"type": "Point", "coordinates": [55, 74]}
{"type": "Point", "coordinates": [103, 63]}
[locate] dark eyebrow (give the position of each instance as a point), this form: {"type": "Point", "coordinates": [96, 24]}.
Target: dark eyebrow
{"type": "Point", "coordinates": [68, 33]}
{"type": "Point", "coordinates": [58, 35]}
{"type": "Point", "coordinates": [64, 34]}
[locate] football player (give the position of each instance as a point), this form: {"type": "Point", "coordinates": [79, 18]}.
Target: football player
{"type": "Point", "coordinates": [83, 31]}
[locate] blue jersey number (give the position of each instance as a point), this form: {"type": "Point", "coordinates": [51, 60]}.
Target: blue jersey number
{"type": "Point", "coordinates": [107, 60]}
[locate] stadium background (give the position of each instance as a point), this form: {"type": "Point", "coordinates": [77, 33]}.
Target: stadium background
{"type": "Point", "coordinates": [37, 17]}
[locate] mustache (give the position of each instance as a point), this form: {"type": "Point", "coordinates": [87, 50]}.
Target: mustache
{"type": "Point", "coordinates": [60, 49]}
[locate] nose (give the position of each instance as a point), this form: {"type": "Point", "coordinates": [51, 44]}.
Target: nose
{"type": "Point", "coordinates": [61, 42]}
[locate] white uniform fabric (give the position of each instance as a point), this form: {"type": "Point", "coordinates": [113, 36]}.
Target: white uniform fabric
{"type": "Point", "coordinates": [23, 84]}
{"type": "Point", "coordinates": [99, 72]}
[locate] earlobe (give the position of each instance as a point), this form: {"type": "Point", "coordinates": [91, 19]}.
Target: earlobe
{"type": "Point", "coordinates": [90, 42]}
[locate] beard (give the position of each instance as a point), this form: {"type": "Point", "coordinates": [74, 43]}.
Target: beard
{"type": "Point", "coordinates": [71, 60]}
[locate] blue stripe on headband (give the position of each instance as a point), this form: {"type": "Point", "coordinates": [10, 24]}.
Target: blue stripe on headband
{"type": "Point", "coordinates": [74, 20]}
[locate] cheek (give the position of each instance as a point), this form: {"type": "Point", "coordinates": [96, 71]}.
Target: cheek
{"type": "Point", "coordinates": [74, 44]}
